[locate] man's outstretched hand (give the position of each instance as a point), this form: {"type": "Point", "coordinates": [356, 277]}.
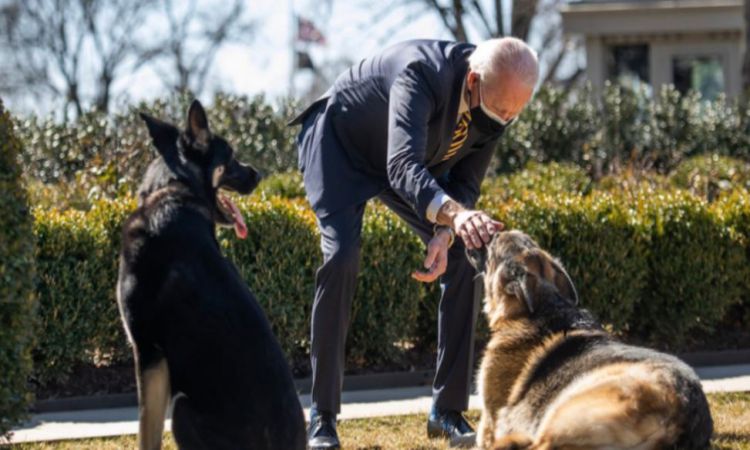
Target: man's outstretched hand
{"type": "Point", "coordinates": [436, 260]}
{"type": "Point", "coordinates": [474, 227]}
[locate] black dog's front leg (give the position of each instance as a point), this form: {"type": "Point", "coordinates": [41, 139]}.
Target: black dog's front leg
{"type": "Point", "coordinates": [152, 374]}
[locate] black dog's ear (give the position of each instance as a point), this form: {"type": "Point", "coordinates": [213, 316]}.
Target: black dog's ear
{"type": "Point", "coordinates": [197, 126]}
{"type": "Point", "coordinates": [163, 134]}
{"type": "Point", "coordinates": [477, 258]}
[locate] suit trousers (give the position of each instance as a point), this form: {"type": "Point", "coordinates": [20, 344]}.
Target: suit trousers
{"type": "Point", "coordinates": [334, 292]}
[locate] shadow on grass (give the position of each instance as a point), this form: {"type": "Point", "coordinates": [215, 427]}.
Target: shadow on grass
{"type": "Point", "coordinates": [731, 441]}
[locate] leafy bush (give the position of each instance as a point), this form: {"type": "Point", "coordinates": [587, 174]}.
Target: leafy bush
{"type": "Point", "coordinates": [551, 128]}
{"type": "Point", "coordinates": [285, 185]}
{"type": "Point", "coordinates": [707, 176]}
{"type": "Point", "coordinates": [78, 256]}
{"type": "Point", "coordinates": [623, 129]}
{"type": "Point", "coordinates": [697, 268]}
{"type": "Point", "coordinates": [552, 178]}
{"type": "Point", "coordinates": [17, 300]}
{"type": "Point", "coordinates": [655, 264]}
{"type": "Point", "coordinates": [629, 242]}
{"type": "Point", "coordinates": [631, 183]}
{"type": "Point", "coordinates": [280, 271]}
{"type": "Point", "coordinates": [77, 262]}
{"type": "Point", "coordinates": [601, 244]}
{"type": "Point", "coordinates": [101, 156]}
{"type": "Point", "coordinates": [735, 212]}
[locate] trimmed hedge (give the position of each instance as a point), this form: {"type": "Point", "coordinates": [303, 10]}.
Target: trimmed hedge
{"type": "Point", "coordinates": [603, 246]}
{"type": "Point", "coordinates": [653, 264]}
{"type": "Point", "coordinates": [552, 178]}
{"type": "Point", "coordinates": [709, 176]}
{"type": "Point", "coordinates": [17, 300]}
{"type": "Point", "coordinates": [285, 185]}
{"type": "Point", "coordinates": [77, 261]}
{"type": "Point", "coordinates": [734, 210]}
{"type": "Point", "coordinates": [697, 267]}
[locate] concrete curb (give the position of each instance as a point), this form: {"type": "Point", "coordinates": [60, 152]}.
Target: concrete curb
{"type": "Point", "coordinates": [351, 383]}
{"type": "Point", "coordinates": [356, 383]}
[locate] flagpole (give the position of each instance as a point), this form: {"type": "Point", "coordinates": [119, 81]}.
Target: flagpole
{"type": "Point", "coordinates": [292, 43]}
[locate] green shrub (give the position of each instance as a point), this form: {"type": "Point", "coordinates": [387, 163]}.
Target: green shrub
{"type": "Point", "coordinates": [77, 262]}
{"type": "Point", "coordinates": [551, 128]}
{"type": "Point", "coordinates": [78, 256]}
{"type": "Point", "coordinates": [99, 156]}
{"type": "Point", "coordinates": [278, 260]}
{"type": "Point", "coordinates": [696, 267]}
{"type": "Point", "coordinates": [284, 240]}
{"type": "Point", "coordinates": [17, 300]}
{"type": "Point", "coordinates": [707, 176]}
{"type": "Point", "coordinates": [735, 212]}
{"type": "Point", "coordinates": [632, 183]}
{"type": "Point", "coordinates": [285, 185]}
{"type": "Point", "coordinates": [651, 263]}
{"type": "Point", "coordinates": [622, 129]}
{"type": "Point", "coordinates": [602, 245]}
{"type": "Point", "coordinates": [386, 304]}
{"type": "Point", "coordinates": [552, 178]}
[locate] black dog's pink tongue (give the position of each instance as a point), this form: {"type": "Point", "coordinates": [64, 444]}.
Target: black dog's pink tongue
{"type": "Point", "coordinates": [240, 229]}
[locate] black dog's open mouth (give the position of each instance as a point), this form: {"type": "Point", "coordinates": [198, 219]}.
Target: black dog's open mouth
{"type": "Point", "coordinates": [232, 214]}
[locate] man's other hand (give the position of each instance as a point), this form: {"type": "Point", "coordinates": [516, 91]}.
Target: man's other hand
{"type": "Point", "coordinates": [436, 260]}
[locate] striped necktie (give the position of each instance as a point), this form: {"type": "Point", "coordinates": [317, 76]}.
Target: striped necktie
{"type": "Point", "coordinates": [459, 135]}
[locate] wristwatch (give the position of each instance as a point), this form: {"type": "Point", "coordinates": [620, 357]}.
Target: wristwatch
{"type": "Point", "coordinates": [437, 228]}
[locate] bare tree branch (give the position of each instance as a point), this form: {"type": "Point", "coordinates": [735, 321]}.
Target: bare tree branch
{"type": "Point", "coordinates": [482, 18]}
{"type": "Point", "coordinates": [444, 14]}
{"type": "Point", "coordinates": [194, 40]}
{"type": "Point", "coordinates": [521, 17]}
{"type": "Point", "coordinates": [46, 40]}
{"type": "Point", "coordinates": [499, 26]}
{"type": "Point", "coordinates": [458, 20]}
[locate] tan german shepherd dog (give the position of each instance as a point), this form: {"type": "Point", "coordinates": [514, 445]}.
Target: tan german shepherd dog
{"type": "Point", "coordinates": [552, 378]}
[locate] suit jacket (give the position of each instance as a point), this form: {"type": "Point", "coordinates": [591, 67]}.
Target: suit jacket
{"type": "Point", "coordinates": [393, 116]}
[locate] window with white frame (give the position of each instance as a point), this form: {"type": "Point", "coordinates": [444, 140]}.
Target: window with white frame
{"type": "Point", "coordinates": [700, 73]}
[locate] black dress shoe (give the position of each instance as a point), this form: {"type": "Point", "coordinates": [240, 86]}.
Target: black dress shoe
{"type": "Point", "coordinates": [451, 425]}
{"type": "Point", "coordinates": [322, 432]}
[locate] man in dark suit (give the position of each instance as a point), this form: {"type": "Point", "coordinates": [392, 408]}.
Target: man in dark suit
{"type": "Point", "coordinates": [414, 126]}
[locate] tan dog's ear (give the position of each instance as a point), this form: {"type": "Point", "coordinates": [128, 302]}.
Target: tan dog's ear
{"type": "Point", "coordinates": [517, 282]}
{"type": "Point", "coordinates": [564, 284]}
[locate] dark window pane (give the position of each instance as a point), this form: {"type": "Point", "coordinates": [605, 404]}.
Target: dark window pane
{"type": "Point", "coordinates": [628, 65]}
{"type": "Point", "coordinates": [703, 74]}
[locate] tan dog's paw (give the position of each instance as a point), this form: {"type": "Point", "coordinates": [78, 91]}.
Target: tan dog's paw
{"type": "Point", "coordinates": [513, 441]}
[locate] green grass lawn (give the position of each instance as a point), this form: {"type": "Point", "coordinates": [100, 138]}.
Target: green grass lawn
{"type": "Point", "coordinates": [731, 414]}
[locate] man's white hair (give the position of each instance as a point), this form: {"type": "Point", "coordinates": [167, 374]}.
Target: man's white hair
{"type": "Point", "coordinates": [505, 55]}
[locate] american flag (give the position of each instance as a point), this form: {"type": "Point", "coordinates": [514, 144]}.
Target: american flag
{"type": "Point", "coordinates": [308, 32]}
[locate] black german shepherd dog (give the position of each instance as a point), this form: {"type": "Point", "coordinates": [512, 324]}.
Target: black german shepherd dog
{"type": "Point", "coordinates": [200, 339]}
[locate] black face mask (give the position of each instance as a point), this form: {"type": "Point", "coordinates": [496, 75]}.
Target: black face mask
{"type": "Point", "coordinates": [484, 123]}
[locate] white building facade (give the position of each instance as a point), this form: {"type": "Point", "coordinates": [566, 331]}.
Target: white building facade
{"type": "Point", "coordinates": [693, 44]}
